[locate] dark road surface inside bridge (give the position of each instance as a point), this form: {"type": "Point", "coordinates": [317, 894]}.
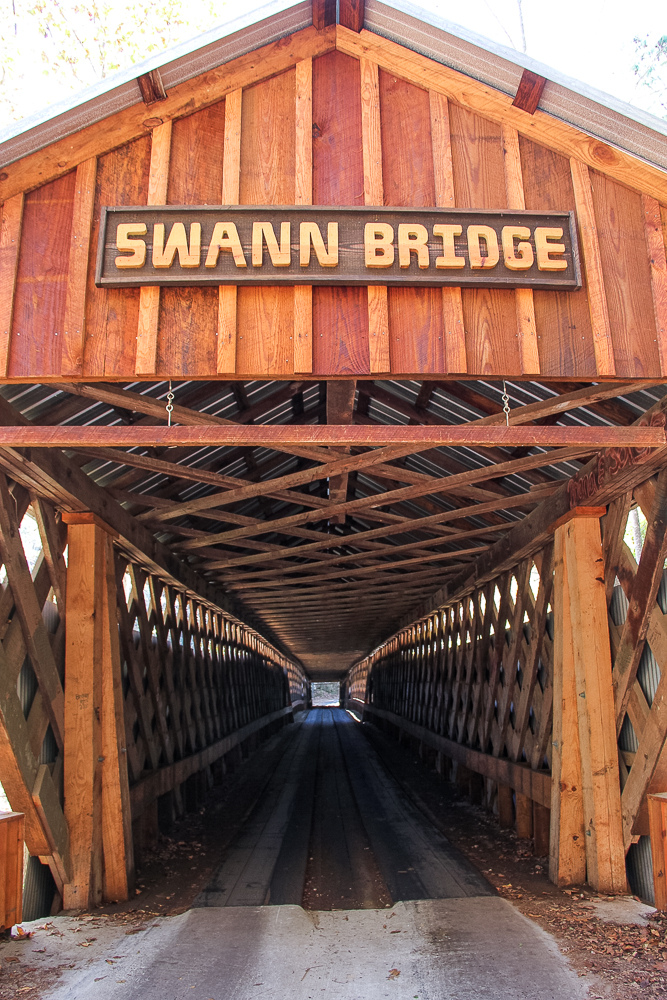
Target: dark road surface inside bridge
{"type": "Point", "coordinates": [367, 900]}
{"type": "Point", "coordinates": [333, 830]}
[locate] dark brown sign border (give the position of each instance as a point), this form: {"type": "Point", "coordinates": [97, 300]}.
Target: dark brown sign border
{"type": "Point", "coordinates": [352, 269]}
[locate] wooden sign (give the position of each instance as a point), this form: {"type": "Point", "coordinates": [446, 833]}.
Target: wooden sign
{"type": "Point", "coordinates": [250, 245]}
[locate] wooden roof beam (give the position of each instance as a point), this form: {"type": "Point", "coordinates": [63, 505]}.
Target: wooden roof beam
{"type": "Point", "coordinates": [532, 532]}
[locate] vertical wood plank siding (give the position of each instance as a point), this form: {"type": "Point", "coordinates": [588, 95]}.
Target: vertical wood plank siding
{"type": "Point", "coordinates": [302, 140]}
{"type": "Point", "coordinates": [265, 338]}
{"type": "Point", "coordinates": [11, 221]}
{"type": "Point", "coordinates": [41, 280]}
{"type": "Point", "coordinates": [455, 360]}
{"type": "Point", "coordinates": [479, 182]}
{"type": "Point", "coordinates": [75, 306]}
{"type": "Point", "coordinates": [188, 316]}
{"type": "Point", "coordinates": [525, 306]}
{"type": "Point", "coordinates": [303, 195]}
{"type": "Point", "coordinates": [149, 296]}
{"type": "Point", "coordinates": [415, 315]}
{"type": "Point", "coordinates": [231, 179]}
{"type": "Point", "coordinates": [340, 315]}
{"type": "Point", "coordinates": [564, 332]}
{"type": "Point", "coordinates": [112, 314]}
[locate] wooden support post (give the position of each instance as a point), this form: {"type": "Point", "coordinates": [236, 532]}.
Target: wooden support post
{"type": "Point", "coordinates": [582, 593]}
{"type": "Point", "coordinates": [524, 816]}
{"type": "Point", "coordinates": [541, 824]}
{"type": "Point", "coordinates": [95, 767]}
{"type": "Point", "coordinates": [12, 834]}
{"type": "Point", "coordinates": [567, 858]}
{"type": "Point", "coordinates": [505, 806]}
{"type": "Point", "coordinates": [657, 818]}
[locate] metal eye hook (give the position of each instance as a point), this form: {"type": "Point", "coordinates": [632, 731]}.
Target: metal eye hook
{"type": "Point", "coordinates": [170, 405]}
{"type": "Point", "coordinates": [506, 405]}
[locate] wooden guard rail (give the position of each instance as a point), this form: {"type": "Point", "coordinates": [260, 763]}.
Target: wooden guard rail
{"type": "Point", "coordinates": [498, 680]}
{"type": "Point", "coordinates": [536, 785]}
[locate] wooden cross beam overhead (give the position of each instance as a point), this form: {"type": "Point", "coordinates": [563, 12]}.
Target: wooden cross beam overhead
{"type": "Point", "coordinates": [333, 436]}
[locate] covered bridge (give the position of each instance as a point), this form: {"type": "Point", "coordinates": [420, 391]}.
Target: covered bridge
{"type": "Point", "coordinates": [335, 349]}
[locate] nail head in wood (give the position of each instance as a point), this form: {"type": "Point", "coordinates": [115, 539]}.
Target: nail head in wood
{"type": "Point", "coordinates": [529, 93]}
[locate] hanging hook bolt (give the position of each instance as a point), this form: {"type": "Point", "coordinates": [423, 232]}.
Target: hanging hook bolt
{"type": "Point", "coordinates": [506, 405]}
{"type": "Point", "coordinates": [170, 405]}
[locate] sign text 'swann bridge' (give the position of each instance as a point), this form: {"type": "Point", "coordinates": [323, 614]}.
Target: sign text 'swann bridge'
{"type": "Point", "coordinates": [214, 245]}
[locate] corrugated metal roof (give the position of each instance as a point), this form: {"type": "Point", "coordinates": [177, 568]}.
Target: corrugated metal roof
{"type": "Point", "coordinates": [338, 637]}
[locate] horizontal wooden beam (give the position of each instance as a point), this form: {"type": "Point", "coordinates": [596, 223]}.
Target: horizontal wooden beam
{"type": "Point", "coordinates": [605, 477]}
{"type": "Point", "coordinates": [272, 435]}
{"type": "Point", "coordinates": [535, 784]}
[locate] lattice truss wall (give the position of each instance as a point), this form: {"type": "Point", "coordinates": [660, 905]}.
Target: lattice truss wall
{"type": "Point", "coordinates": [479, 673]}
{"type": "Point", "coordinates": [194, 682]}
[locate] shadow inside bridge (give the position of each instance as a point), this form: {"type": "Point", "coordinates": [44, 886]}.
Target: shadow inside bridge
{"type": "Point", "coordinates": [332, 829]}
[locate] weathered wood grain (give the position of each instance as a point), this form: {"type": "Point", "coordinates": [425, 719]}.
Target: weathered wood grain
{"type": "Point", "coordinates": [443, 175]}
{"type": "Point", "coordinates": [149, 298]}
{"type": "Point", "coordinates": [74, 331]}
{"type": "Point", "coordinates": [340, 315]}
{"type": "Point", "coordinates": [112, 315]}
{"type": "Point", "coordinates": [564, 334]}
{"type": "Point", "coordinates": [265, 316]}
{"type": "Point", "coordinates": [188, 317]}
{"type": "Point", "coordinates": [10, 241]}
{"type": "Point", "coordinates": [567, 849]}
{"type": "Point", "coordinates": [484, 100]}
{"type": "Point", "coordinates": [231, 180]}
{"type": "Point", "coordinates": [525, 307]}
{"type": "Point", "coordinates": [621, 223]}
{"type": "Point", "coordinates": [211, 87]}
{"type": "Point", "coordinates": [655, 244]}
{"type": "Point", "coordinates": [41, 281]}
{"type": "Point", "coordinates": [597, 294]}
{"type": "Point", "coordinates": [415, 318]}
{"type": "Point", "coordinates": [303, 195]}
{"type": "Point", "coordinates": [479, 182]}
{"type": "Point", "coordinates": [371, 145]}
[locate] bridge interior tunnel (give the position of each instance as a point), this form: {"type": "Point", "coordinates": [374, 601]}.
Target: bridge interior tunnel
{"type": "Point", "coordinates": [166, 609]}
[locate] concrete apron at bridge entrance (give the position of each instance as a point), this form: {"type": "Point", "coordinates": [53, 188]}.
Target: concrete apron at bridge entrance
{"type": "Point", "coordinates": [475, 948]}
{"type": "Point", "coordinates": [392, 909]}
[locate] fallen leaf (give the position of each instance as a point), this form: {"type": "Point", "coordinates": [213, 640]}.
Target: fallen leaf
{"type": "Point", "coordinates": [394, 974]}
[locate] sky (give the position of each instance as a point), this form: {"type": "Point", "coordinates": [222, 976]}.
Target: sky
{"type": "Point", "coordinates": [588, 40]}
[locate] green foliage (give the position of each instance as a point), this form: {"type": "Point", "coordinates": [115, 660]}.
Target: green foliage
{"type": "Point", "coordinates": [651, 68]}
{"type": "Point", "coordinates": [73, 45]}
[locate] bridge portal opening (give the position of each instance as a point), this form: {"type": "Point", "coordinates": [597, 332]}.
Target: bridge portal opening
{"type": "Point", "coordinates": [324, 693]}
